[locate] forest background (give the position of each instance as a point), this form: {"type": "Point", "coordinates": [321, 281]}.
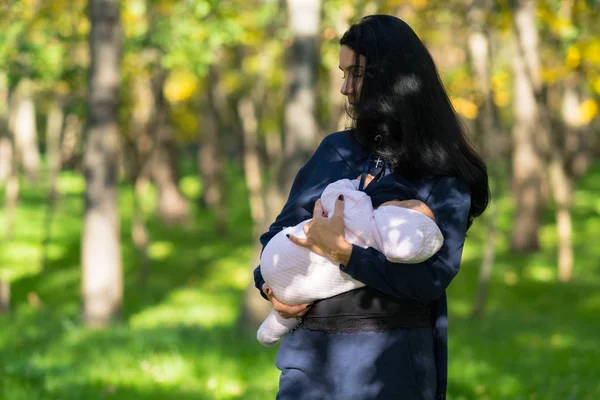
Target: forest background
{"type": "Point", "coordinates": [146, 144]}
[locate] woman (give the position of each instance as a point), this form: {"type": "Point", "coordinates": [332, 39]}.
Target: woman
{"type": "Point", "coordinates": [387, 340]}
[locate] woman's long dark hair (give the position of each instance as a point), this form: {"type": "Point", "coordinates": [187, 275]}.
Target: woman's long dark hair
{"type": "Point", "coordinates": [403, 100]}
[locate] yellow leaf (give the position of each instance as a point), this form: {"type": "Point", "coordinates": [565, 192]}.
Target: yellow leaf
{"type": "Point", "coordinates": [465, 107]}
{"type": "Point", "coordinates": [83, 28]}
{"type": "Point", "coordinates": [501, 98]}
{"type": "Point", "coordinates": [164, 8]}
{"type": "Point", "coordinates": [592, 53]}
{"type": "Point", "coordinates": [231, 82]}
{"type": "Point", "coordinates": [180, 85]}
{"type": "Point", "coordinates": [554, 74]}
{"type": "Point", "coordinates": [419, 4]}
{"type": "Point", "coordinates": [186, 122]}
{"type": "Point", "coordinates": [251, 64]}
{"type": "Point", "coordinates": [587, 111]}
{"type": "Point", "coordinates": [596, 85]}
{"type": "Point", "coordinates": [573, 58]}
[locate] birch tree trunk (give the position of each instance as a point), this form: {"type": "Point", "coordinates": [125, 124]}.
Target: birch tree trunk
{"type": "Point", "coordinates": [561, 182]}
{"type": "Point", "coordinates": [172, 206]}
{"type": "Point", "coordinates": [567, 146]}
{"type": "Point", "coordinates": [488, 130]}
{"type": "Point", "coordinates": [254, 308]}
{"type": "Point", "coordinates": [529, 129]}
{"type": "Point", "coordinates": [102, 280]}
{"type": "Point", "coordinates": [300, 125]}
{"type": "Point", "coordinates": [71, 144]}
{"type": "Point", "coordinates": [54, 127]}
{"type": "Point", "coordinates": [211, 157]}
{"type": "Point", "coordinates": [252, 168]}
{"type": "Point", "coordinates": [275, 198]}
{"type": "Point", "coordinates": [6, 146]}
{"type": "Point", "coordinates": [25, 131]}
{"type": "Point", "coordinates": [11, 195]}
{"type": "Point", "coordinates": [144, 110]}
{"type": "Point", "coordinates": [4, 295]}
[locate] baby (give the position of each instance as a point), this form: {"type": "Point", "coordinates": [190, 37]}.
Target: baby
{"type": "Point", "coordinates": [404, 231]}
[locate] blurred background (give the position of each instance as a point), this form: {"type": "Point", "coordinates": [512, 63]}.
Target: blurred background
{"type": "Point", "coordinates": [146, 144]}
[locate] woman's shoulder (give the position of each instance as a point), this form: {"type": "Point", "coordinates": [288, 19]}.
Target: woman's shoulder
{"type": "Point", "coordinates": [343, 141]}
{"type": "Point", "coordinates": [338, 137]}
{"type": "Point", "coordinates": [449, 184]}
{"type": "Point", "coordinates": [422, 189]}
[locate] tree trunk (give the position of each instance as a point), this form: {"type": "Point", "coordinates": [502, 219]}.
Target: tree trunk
{"type": "Point", "coordinates": [211, 157]}
{"type": "Point", "coordinates": [339, 117]}
{"type": "Point", "coordinates": [6, 147]}
{"type": "Point", "coordinates": [487, 264]}
{"type": "Point", "coordinates": [24, 128]}
{"type": "Point", "coordinates": [11, 196]}
{"type": "Point", "coordinates": [4, 296]}
{"type": "Point", "coordinates": [102, 280]}
{"type": "Point", "coordinates": [208, 163]}
{"type": "Point", "coordinates": [528, 130]}
{"type": "Point", "coordinates": [488, 130]}
{"type": "Point", "coordinates": [562, 188]}
{"type": "Point", "coordinates": [139, 231]}
{"type": "Point", "coordinates": [300, 126]}
{"type": "Point", "coordinates": [70, 148]}
{"type": "Point", "coordinates": [254, 309]}
{"type": "Point", "coordinates": [53, 131]}
{"type": "Point", "coordinates": [6, 156]}
{"type": "Point", "coordinates": [172, 206]}
{"type": "Point", "coordinates": [252, 168]}
{"type": "Point", "coordinates": [11, 199]}
{"type": "Point", "coordinates": [275, 198]}
{"type": "Point", "coordinates": [561, 182]}
{"type": "Point", "coordinates": [140, 150]}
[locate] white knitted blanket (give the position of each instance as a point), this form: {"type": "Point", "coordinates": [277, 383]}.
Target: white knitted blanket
{"type": "Point", "coordinates": [298, 275]}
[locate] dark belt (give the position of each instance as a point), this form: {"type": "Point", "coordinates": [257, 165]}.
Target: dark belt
{"type": "Point", "coordinates": [367, 310]}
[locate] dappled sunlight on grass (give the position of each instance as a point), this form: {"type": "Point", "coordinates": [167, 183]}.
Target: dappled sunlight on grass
{"type": "Point", "coordinates": [56, 251]}
{"type": "Point", "coordinates": [191, 186]}
{"type": "Point", "coordinates": [161, 250]}
{"type": "Point", "coordinates": [541, 273]}
{"type": "Point", "coordinates": [231, 271]}
{"type": "Point", "coordinates": [148, 200]}
{"type": "Point", "coordinates": [179, 339]}
{"type": "Point", "coordinates": [536, 341]}
{"type": "Point", "coordinates": [166, 368]}
{"type": "Point", "coordinates": [70, 183]}
{"type": "Point", "coordinates": [460, 307]}
{"type": "Point", "coordinates": [189, 307]}
{"type": "Point", "coordinates": [538, 338]}
{"type": "Point", "coordinates": [19, 259]}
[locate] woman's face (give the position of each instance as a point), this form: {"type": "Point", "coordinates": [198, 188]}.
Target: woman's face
{"type": "Point", "coordinates": [352, 74]}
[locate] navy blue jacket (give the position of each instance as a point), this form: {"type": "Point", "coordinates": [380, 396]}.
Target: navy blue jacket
{"type": "Point", "coordinates": [340, 156]}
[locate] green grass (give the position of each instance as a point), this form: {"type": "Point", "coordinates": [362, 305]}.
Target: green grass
{"type": "Point", "coordinates": [538, 339]}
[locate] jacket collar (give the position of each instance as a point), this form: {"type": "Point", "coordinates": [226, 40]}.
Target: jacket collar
{"type": "Point", "coordinates": [350, 150]}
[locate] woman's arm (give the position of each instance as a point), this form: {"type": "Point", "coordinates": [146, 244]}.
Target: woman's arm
{"type": "Point", "coordinates": [292, 212]}
{"type": "Point", "coordinates": [450, 201]}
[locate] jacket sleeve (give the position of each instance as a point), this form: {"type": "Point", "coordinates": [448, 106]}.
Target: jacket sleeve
{"type": "Point", "coordinates": [293, 211]}
{"type": "Point", "coordinates": [450, 201]}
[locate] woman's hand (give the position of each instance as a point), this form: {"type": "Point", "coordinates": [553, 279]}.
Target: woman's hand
{"type": "Point", "coordinates": [326, 236]}
{"type": "Point", "coordinates": [285, 310]}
